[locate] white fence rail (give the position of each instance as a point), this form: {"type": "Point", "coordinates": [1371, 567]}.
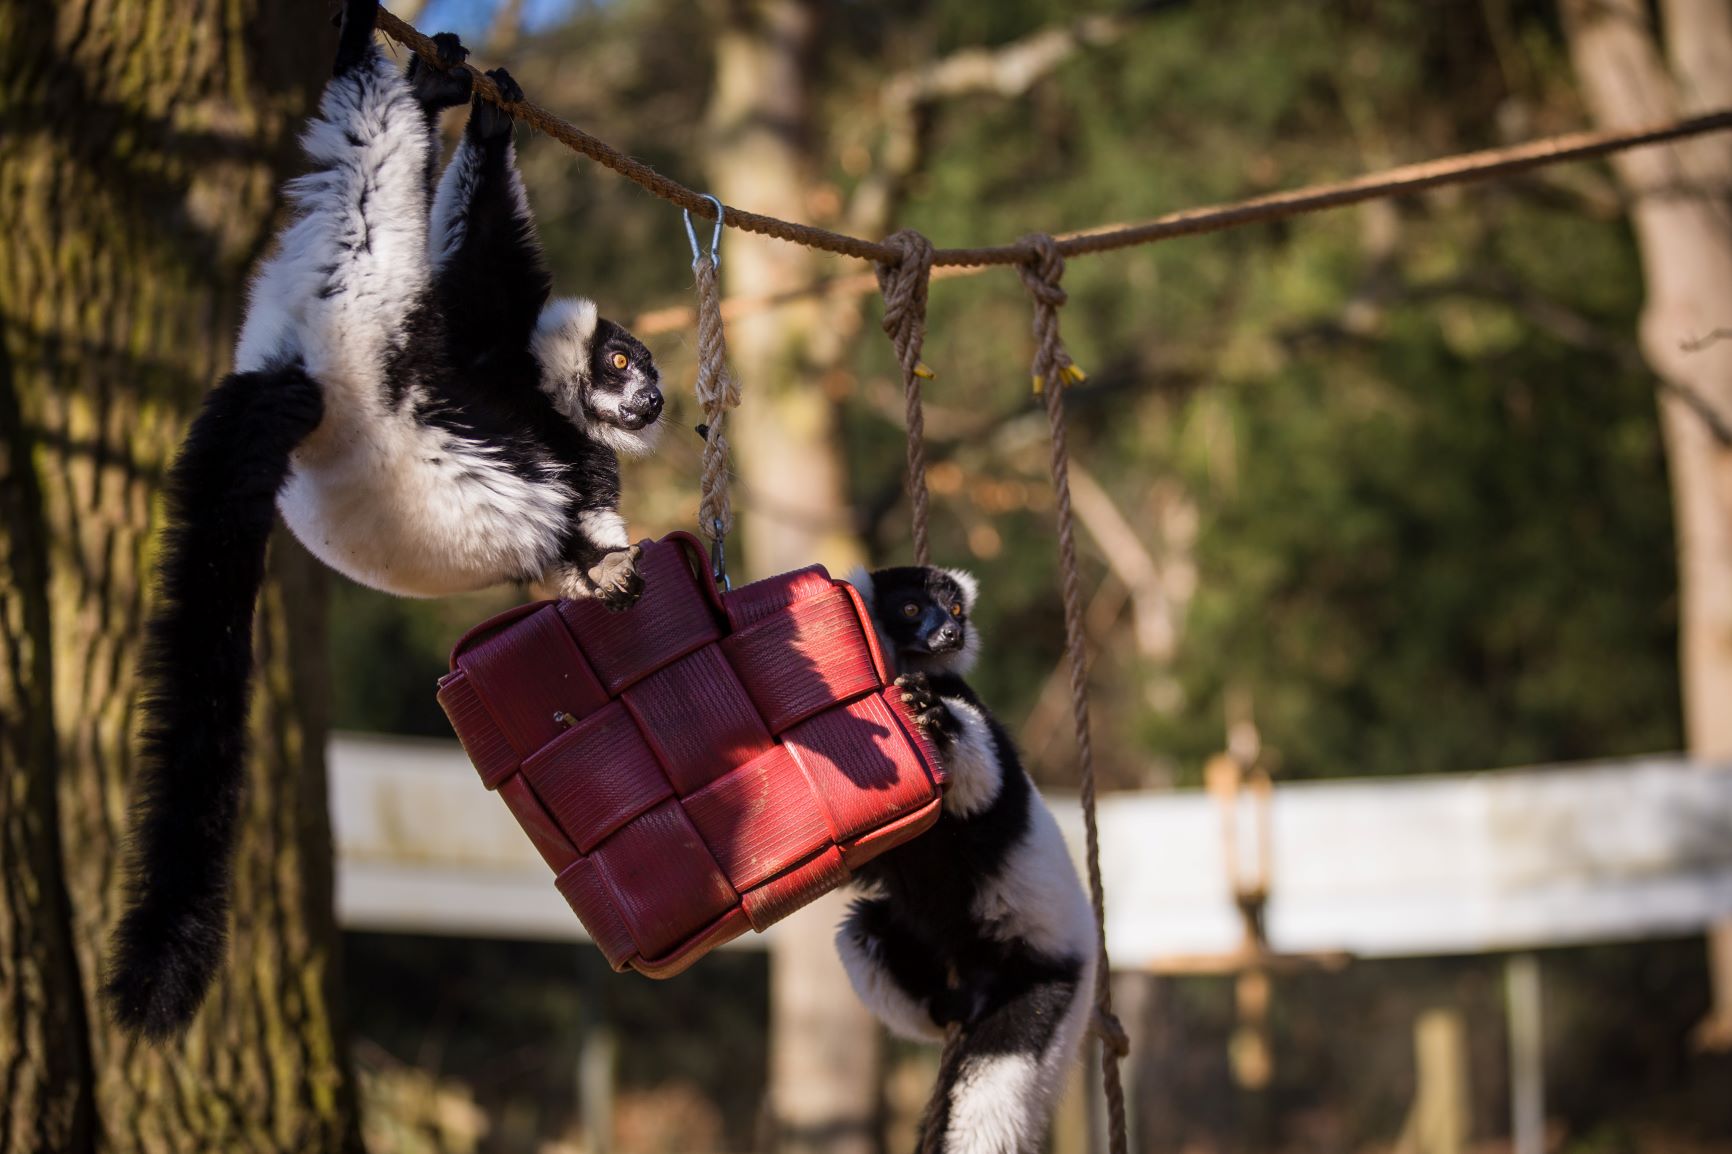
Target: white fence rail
{"type": "Point", "coordinates": [1376, 867]}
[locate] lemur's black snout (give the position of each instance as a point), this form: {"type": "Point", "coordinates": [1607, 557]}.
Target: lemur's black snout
{"type": "Point", "coordinates": [945, 638]}
{"type": "Point", "coordinates": [645, 406]}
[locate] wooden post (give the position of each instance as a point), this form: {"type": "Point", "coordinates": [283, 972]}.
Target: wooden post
{"type": "Point", "coordinates": [823, 1043]}
{"type": "Point", "coordinates": [1527, 1059]}
{"type": "Point", "coordinates": [1439, 1119]}
{"type": "Point", "coordinates": [596, 1066]}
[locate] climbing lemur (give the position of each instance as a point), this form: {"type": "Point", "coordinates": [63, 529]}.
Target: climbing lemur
{"type": "Point", "coordinates": [426, 419]}
{"type": "Point", "coordinates": [980, 922]}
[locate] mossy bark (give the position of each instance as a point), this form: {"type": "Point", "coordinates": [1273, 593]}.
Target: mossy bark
{"type": "Point", "coordinates": [142, 147]}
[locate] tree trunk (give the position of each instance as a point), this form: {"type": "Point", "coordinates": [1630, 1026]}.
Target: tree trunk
{"type": "Point", "coordinates": [786, 445]}
{"type": "Point", "coordinates": [1681, 208]}
{"type": "Point", "coordinates": [787, 456]}
{"type": "Point", "coordinates": [144, 145]}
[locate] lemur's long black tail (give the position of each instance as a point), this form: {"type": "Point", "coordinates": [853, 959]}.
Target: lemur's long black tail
{"type": "Point", "coordinates": [1001, 1075]}
{"type": "Point", "coordinates": [197, 673]}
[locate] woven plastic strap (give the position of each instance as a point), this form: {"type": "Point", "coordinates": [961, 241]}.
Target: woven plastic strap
{"type": "Point", "coordinates": [698, 765]}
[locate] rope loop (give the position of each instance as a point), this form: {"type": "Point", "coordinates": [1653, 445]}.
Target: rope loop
{"type": "Point", "coordinates": [904, 285]}
{"type": "Point", "coordinates": [1041, 273]}
{"type": "Point", "coordinates": [717, 392]}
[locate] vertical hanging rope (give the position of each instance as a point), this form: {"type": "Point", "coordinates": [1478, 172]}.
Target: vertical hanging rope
{"type": "Point", "coordinates": [717, 393]}
{"type": "Point", "coordinates": [1052, 366]}
{"type": "Point", "coordinates": [904, 285]}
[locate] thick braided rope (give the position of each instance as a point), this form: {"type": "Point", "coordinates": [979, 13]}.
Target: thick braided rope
{"type": "Point", "coordinates": [1405, 180]}
{"type": "Point", "coordinates": [717, 393]}
{"type": "Point", "coordinates": [1041, 275]}
{"type": "Point", "coordinates": [904, 285]}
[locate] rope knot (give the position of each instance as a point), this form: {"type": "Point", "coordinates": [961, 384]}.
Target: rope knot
{"type": "Point", "coordinates": [1107, 1027]}
{"type": "Point", "coordinates": [904, 285]}
{"type": "Point", "coordinates": [1042, 271]}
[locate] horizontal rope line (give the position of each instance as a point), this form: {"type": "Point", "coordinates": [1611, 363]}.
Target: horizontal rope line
{"type": "Point", "coordinates": [1405, 180]}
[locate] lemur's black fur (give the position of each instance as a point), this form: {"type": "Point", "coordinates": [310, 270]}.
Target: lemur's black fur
{"type": "Point", "coordinates": [427, 420]}
{"type": "Point", "coordinates": [980, 923]}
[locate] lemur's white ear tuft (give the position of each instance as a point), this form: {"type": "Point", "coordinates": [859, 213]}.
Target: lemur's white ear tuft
{"type": "Point", "coordinates": [861, 579]}
{"type": "Point", "coordinates": [966, 582]}
{"type": "Point", "coordinates": [563, 335]}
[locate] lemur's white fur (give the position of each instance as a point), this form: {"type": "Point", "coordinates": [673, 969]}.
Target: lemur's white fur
{"type": "Point", "coordinates": [605, 527]}
{"type": "Point", "coordinates": [561, 343]}
{"type": "Point", "coordinates": [373, 490]}
{"type": "Point", "coordinates": [973, 763]}
{"type": "Point", "coordinates": [901, 1014]}
{"type": "Point", "coordinates": [1037, 897]}
{"type": "Point", "coordinates": [969, 586]}
{"type": "Point", "coordinates": [370, 491]}
{"type": "Point", "coordinates": [355, 259]}
{"type": "Point", "coordinates": [1001, 1104]}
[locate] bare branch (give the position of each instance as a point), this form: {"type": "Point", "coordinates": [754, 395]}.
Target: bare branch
{"type": "Point", "coordinates": [1702, 342]}
{"type": "Point", "coordinates": [1131, 562]}
{"type": "Point", "coordinates": [1007, 71]}
{"type": "Point", "coordinates": [1718, 427]}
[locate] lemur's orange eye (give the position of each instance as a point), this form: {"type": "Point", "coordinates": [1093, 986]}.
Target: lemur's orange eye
{"type": "Point", "coordinates": [620, 360]}
{"type": "Point", "coordinates": [956, 609]}
{"type": "Point", "coordinates": [910, 609]}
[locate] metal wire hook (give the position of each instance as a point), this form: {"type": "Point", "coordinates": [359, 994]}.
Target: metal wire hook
{"type": "Point", "coordinates": [715, 237]}
{"type": "Point", "coordinates": [718, 558]}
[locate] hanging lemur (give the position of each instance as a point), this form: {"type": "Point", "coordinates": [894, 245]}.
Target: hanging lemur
{"type": "Point", "coordinates": [426, 419]}
{"type": "Point", "coordinates": [981, 922]}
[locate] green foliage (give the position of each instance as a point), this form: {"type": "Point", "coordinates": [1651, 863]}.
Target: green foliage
{"type": "Point", "coordinates": [1433, 534]}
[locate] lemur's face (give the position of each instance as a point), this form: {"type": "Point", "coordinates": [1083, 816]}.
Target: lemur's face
{"type": "Point", "coordinates": [623, 379]}
{"type": "Point", "coordinates": [922, 614]}
{"type": "Point", "coordinates": [600, 377]}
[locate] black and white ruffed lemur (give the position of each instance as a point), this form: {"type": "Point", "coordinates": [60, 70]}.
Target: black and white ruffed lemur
{"type": "Point", "coordinates": [428, 422]}
{"type": "Point", "coordinates": [980, 922]}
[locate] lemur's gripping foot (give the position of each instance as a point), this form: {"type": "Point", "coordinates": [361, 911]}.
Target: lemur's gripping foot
{"type": "Point", "coordinates": [355, 34]}
{"type": "Point", "coordinates": [930, 714]}
{"type": "Point", "coordinates": [614, 580]}
{"type": "Point", "coordinates": [489, 121]}
{"type": "Point", "coordinates": [447, 85]}
{"type": "Point", "coordinates": [960, 1005]}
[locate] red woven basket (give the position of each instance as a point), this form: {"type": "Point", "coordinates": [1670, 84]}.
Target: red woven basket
{"type": "Point", "coordinates": [700, 764]}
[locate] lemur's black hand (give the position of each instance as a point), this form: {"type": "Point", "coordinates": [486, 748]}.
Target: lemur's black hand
{"type": "Point", "coordinates": [489, 121]}
{"type": "Point", "coordinates": [930, 714]}
{"type": "Point", "coordinates": [447, 85]}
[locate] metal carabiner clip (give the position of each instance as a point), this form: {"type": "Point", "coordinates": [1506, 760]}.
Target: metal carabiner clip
{"type": "Point", "coordinates": [715, 237]}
